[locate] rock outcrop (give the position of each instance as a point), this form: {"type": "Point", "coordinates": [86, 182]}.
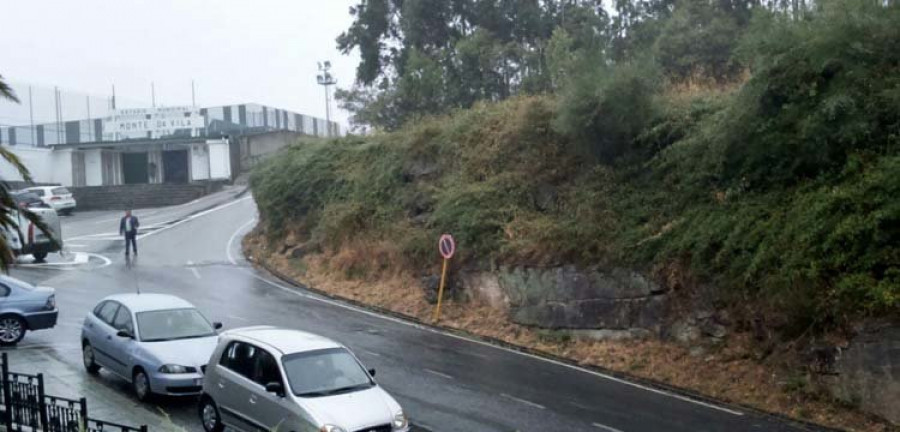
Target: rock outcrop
{"type": "Point", "coordinates": [866, 373]}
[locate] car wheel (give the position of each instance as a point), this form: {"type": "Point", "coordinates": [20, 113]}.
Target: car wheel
{"type": "Point", "coordinates": [209, 415]}
{"type": "Point", "coordinates": [12, 329]}
{"type": "Point", "coordinates": [87, 355]}
{"type": "Point", "coordinates": [141, 384]}
{"type": "Point", "coordinates": [40, 256]}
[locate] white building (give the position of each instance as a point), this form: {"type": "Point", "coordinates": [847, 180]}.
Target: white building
{"type": "Point", "coordinates": [136, 162]}
{"type": "Point", "coordinates": [149, 145]}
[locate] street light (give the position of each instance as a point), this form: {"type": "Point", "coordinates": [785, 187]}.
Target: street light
{"type": "Point", "coordinates": [325, 79]}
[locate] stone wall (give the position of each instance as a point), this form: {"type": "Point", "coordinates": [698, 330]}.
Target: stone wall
{"type": "Point", "coordinates": [866, 373]}
{"type": "Point", "coordinates": [566, 298]}
{"type": "Point", "coordinates": [125, 197]}
{"type": "Point", "coordinates": [622, 304]}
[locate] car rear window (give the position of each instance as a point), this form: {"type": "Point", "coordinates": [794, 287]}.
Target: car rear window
{"type": "Point", "coordinates": [60, 191]}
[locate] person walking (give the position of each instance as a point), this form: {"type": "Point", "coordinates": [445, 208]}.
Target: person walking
{"type": "Point", "coordinates": [128, 227]}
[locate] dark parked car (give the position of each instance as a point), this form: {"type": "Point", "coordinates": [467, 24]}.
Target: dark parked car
{"type": "Point", "coordinates": [28, 199]}
{"type": "Point", "coordinates": [24, 307]}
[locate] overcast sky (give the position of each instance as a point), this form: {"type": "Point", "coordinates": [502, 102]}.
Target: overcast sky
{"type": "Point", "coordinates": [236, 51]}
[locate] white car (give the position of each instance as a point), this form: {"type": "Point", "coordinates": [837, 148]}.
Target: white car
{"type": "Point", "coordinates": [267, 378]}
{"type": "Point", "coordinates": [57, 197]}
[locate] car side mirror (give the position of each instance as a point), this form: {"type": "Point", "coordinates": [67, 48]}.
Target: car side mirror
{"type": "Point", "coordinates": [275, 387]}
{"type": "Point", "coordinates": [372, 372]}
{"type": "Point", "coordinates": [125, 334]}
{"type": "Point", "coordinates": [217, 325]}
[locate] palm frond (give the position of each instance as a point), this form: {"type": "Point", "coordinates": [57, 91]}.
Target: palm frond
{"type": "Point", "coordinates": [6, 92]}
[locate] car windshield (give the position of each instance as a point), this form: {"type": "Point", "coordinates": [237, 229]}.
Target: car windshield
{"type": "Point", "coordinates": [173, 324]}
{"type": "Point", "coordinates": [325, 373]}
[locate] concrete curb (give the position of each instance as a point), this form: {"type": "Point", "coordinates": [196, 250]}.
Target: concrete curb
{"type": "Point", "coordinates": [803, 424]}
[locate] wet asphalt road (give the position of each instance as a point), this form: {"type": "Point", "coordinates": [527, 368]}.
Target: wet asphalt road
{"type": "Point", "coordinates": [444, 383]}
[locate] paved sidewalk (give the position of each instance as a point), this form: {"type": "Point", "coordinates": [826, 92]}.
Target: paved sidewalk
{"type": "Point", "coordinates": [108, 398]}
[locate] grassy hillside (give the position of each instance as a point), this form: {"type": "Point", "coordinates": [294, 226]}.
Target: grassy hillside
{"type": "Point", "coordinates": [780, 189]}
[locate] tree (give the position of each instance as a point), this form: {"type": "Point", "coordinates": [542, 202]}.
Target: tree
{"type": "Point", "coordinates": [698, 40]}
{"type": "Point", "coordinates": [7, 204]}
{"type": "Point", "coordinates": [430, 56]}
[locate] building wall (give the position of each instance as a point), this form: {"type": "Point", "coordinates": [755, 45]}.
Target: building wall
{"type": "Point", "coordinates": [254, 148]}
{"type": "Point", "coordinates": [199, 162]}
{"type": "Point", "coordinates": [93, 167]}
{"type": "Point", "coordinates": [137, 196]}
{"type": "Point", "coordinates": [61, 165]}
{"type": "Point", "coordinates": [36, 160]}
{"type": "Point", "coordinates": [219, 160]}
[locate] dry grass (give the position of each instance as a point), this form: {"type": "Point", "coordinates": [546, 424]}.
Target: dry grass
{"type": "Point", "coordinates": [730, 372]}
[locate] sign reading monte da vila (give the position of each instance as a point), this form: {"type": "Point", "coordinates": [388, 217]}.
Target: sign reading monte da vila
{"type": "Point", "coordinates": [159, 122]}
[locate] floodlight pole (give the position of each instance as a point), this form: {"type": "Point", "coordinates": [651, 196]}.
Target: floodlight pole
{"type": "Point", "coordinates": [325, 79]}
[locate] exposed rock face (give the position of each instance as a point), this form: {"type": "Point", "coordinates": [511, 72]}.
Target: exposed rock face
{"type": "Point", "coordinates": [566, 298]}
{"type": "Point", "coordinates": [867, 372]}
{"type": "Point", "coordinates": [485, 287]}
{"type": "Point", "coordinates": [431, 285]}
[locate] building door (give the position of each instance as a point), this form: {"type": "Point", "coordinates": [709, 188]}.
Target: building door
{"type": "Point", "coordinates": [175, 166]}
{"type": "Point", "coordinates": [134, 168]}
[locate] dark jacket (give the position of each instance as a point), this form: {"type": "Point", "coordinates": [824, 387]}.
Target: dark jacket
{"type": "Point", "coordinates": [134, 226]}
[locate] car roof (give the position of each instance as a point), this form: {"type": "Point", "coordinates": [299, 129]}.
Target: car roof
{"type": "Point", "coordinates": [150, 302]}
{"type": "Point", "coordinates": [288, 341]}
{"type": "Point", "coordinates": [18, 283]}
{"type": "Point", "coordinates": [40, 187]}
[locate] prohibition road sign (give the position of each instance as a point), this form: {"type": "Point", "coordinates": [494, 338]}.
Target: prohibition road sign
{"type": "Point", "coordinates": [447, 246]}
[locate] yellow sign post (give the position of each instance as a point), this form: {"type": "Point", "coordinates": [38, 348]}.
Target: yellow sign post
{"type": "Point", "coordinates": [447, 247]}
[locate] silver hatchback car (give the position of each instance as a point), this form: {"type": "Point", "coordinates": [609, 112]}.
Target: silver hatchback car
{"type": "Point", "coordinates": [266, 378]}
{"type": "Point", "coordinates": [160, 343]}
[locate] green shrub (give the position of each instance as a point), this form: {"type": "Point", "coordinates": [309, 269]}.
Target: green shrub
{"type": "Point", "coordinates": [604, 109]}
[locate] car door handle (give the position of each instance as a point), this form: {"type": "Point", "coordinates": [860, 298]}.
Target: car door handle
{"type": "Point", "coordinates": [221, 386]}
{"type": "Point", "coordinates": [109, 338]}
{"type": "Point", "coordinates": [252, 399]}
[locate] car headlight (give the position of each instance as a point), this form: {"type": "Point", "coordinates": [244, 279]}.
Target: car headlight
{"type": "Point", "coordinates": [331, 428]}
{"type": "Point", "coordinates": [176, 369]}
{"type": "Point", "coordinates": [400, 421]}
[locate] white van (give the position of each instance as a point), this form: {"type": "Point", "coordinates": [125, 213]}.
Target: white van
{"type": "Point", "coordinates": [24, 238]}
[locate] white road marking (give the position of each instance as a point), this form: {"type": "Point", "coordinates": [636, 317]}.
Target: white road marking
{"type": "Point", "coordinates": [231, 241]}
{"type": "Point", "coordinates": [76, 246]}
{"type": "Point", "coordinates": [372, 353]}
{"type": "Point", "coordinates": [79, 259]}
{"type": "Point", "coordinates": [194, 270]}
{"type": "Point", "coordinates": [578, 405]}
{"type": "Point", "coordinates": [343, 305]}
{"type": "Point", "coordinates": [523, 401]}
{"type": "Point", "coordinates": [235, 317]}
{"type": "Point", "coordinates": [606, 428]}
{"type": "Point", "coordinates": [440, 374]}
{"type": "Point", "coordinates": [195, 216]}
{"type": "Point", "coordinates": [114, 235]}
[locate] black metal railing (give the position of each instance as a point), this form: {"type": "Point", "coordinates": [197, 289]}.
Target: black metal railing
{"type": "Point", "coordinates": [27, 408]}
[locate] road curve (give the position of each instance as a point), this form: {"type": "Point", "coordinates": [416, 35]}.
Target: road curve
{"type": "Point", "coordinates": [445, 383]}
